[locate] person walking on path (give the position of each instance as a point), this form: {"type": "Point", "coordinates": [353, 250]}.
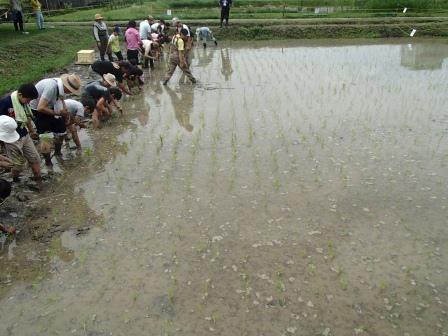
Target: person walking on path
{"type": "Point", "coordinates": [17, 107]}
{"type": "Point", "coordinates": [133, 41]}
{"type": "Point", "coordinates": [177, 57]}
{"type": "Point", "coordinates": [225, 10]}
{"type": "Point", "coordinates": [101, 36]}
{"type": "Point", "coordinates": [114, 43]}
{"type": "Point", "coordinates": [17, 16]}
{"type": "Point", "coordinates": [37, 9]}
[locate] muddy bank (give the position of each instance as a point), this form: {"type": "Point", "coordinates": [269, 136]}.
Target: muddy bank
{"type": "Point", "coordinates": [41, 217]}
{"type": "Point", "coordinates": [330, 31]}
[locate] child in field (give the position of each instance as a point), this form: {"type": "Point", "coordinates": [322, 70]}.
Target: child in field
{"type": "Point", "coordinates": [114, 43]}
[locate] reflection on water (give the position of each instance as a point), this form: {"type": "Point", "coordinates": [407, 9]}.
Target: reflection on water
{"type": "Point", "coordinates": [204, 56]}
{"type": "Point", "coordinates": [309, 199]}
{"type": "Point", "coordinates": [182, 105]}
{"type": "Point", "coordinates": [421, 56]}
{"type": "Point", "coordinates": [226, 63]}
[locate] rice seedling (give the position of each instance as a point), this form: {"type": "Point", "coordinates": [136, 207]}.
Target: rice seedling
{"type": "Point", "coordinates": [343, 284]}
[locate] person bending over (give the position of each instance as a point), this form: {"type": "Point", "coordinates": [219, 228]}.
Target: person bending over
{"type": "Point", "coordinates": [102, 98]}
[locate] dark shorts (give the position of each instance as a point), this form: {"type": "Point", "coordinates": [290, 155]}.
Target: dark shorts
{"type": "Point", "coordinates": [47, 123]}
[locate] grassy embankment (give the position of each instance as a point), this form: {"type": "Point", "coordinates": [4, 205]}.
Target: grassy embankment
{"type": "Point", "coordinates": [291, 18]}
{"type": "Point", "coordinates": [264, 9]}
{"type": "Point", "coordinates": [26, 58]}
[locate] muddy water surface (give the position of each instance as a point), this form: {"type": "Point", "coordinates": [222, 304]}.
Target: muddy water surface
{"type": "Point", "coordinates": [297, 189]}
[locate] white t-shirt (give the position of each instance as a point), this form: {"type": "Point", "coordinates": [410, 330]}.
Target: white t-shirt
{"type": "Point", "coordinates": [144, 29]}
{"type": "Point", "coordinates": [154, 27]}
{"type": "Point", "coordinates": [50, 89]}
{"type": "Point", "coordinates": [147, 46]}
{"type": "Point", "coordinates": [184, 26]}
{"type": "Point", "coordinates": [75, 108]}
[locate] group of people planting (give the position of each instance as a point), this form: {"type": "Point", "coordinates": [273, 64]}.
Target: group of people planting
{"type": "Point", "coordinates": [36, 119]}
{"type": "Point", "coordinates": [144, 45]}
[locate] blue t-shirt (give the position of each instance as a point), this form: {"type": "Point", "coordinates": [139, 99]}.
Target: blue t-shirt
{"type": "Point", "coordinates": [97, 91]}
{"type": "Point", "coordinates": [7, 109]}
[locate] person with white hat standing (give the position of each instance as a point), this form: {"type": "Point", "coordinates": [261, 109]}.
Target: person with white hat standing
{"type": "Point", "coordinates": [101, 37]}
{"type": "Point", "coordinates": [47, 118]}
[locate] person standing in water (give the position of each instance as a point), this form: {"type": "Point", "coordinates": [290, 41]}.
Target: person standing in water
{"type": "Point", "coordinates": [204, 34]}
{"type": "Point", "coordinates": [177, 57]}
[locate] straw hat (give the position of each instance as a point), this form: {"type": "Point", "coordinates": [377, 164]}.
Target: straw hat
{"type": "Point", "coordinates": [8, 128]}
{"type": "Point", "coordinates": [110, 79]}
{"type": "Point", "coordinates": [72, 82]}
{"type": "Point", "coordinates": [98, 17]}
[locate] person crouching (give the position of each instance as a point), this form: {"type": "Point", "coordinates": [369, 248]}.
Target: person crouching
{"type": "Point", "coordinates": [102, 97]}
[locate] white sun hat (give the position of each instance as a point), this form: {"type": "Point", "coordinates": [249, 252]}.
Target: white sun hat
{"type": "Point", "coordinates": [8, 128]}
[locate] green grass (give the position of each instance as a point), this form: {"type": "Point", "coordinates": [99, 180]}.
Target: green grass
{"type": "Point", "coordinates": [262, 9]}
{"type": "Point", "coordinates": [27, 58]}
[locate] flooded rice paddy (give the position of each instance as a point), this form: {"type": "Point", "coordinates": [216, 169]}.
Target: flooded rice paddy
{"type": "Point", "coordinates": [298, 189]}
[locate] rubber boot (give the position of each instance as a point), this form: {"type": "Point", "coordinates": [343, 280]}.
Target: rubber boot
{"type": "Point", "coordinates": [47, 158]}
{"type": "Point", "coordinates": [39, 185]}
{"type": "Point", "coordinates": [57, 148]}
